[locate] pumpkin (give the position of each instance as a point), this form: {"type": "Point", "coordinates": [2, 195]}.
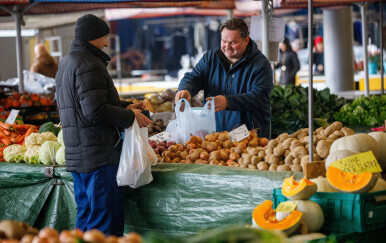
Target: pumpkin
{"type": "Point", "coordinates": [360, 142]}
{"type": "Point", "coordinates": [302, 190]}
{"type": "Point", "coordinates": [313, 215]}
{"type": "Point", "coordinates": [350, 182]}
{"type": "Point", "coordinates": [323, 185]}
{"type": "Point", "coordinates": [308, 237]}
{"type": "Point", "coordinates": [380, 137]}
{"type": "Point", "coordinates": [339, 154]}
{"type": "Point", "coordinates": [379, 186]}
{"type": "Point", "coordinates": [263, 217]}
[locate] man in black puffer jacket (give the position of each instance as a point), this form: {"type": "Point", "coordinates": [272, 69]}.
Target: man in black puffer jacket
{"type": "Point", "coordinates": [92, 117]}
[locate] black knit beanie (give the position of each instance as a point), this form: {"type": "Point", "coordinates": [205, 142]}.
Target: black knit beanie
{"type": "Point", "coordinates": [90, 27]}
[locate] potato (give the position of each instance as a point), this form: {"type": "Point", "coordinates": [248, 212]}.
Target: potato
{"type": "Point", "coordinates": [298, 152]}
{"type": "Point", "coordinates": [283, 168]}
{"type": "Point", "coordinates": [318, 130]}
{"type": "Point", "coordinates": [347, 131]}
{"type": "Point", "coordinates": [269, 151]}
{"type": "Point", "coordinates": [295, 134]}
{"type": "Point", "coordinates": [243, 166]}
{"type": "Point", "coordinates": [323, 148]}
{"type": "Point", "coordinates": [296, 168]}
{"type": "Point", "coordinates": [296, 161]}
{"type": "Point", "coordinates": [272, 144]}
{"type": "Point", "coordinates": [273, 159]}
{"type": "Point", "coordinates": [301, 135]}
{"type": "Point", "coordinates": [252, 166]}
{"type": "Point", "coordinates": [332, 128]}
{"type": "Point", "coordinates": [255, 160]}
{"type": "Point", "coordinates": [262, 166]}
{"type": "Point", "coordinates": [286, 152]}
{"type": "Point", "coordinates": [282, 137]}
{"type": "Point", "coordinates": [287, 142]}
{"type": "Point", "coordinates": [295, 144]}
{"type": "Point", "coordinates": [308, 148]}
{"type": "Point", "coordinates": [261, 154]}
{"type": "Point", "coordinates": [333, 137]}
{"type": "Point", "coordinates": [278, 151]}
{"type": "Point", "coordinates": [289, 160]}
{"type": "Point", "coordinates": [273, 167]}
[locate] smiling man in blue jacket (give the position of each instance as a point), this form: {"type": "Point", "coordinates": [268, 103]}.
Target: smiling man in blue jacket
{"type": "Point", "coordinates": [238, 76]}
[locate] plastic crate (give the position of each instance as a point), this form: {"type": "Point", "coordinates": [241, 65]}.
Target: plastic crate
{"type": "Point", "coordinates": [346, 212]}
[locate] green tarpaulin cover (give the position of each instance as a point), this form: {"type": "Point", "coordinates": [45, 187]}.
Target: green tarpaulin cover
{"type": "Point", "coordinates": [182, 199]}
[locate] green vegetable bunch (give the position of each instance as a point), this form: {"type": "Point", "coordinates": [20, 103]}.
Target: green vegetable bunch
{"type": "Point", "coordinates": [289, 106]}
{"type": "Point", "coordinates": [370, 111]}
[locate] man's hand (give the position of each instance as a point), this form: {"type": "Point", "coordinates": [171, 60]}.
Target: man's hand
{"type": "Point", "coordinates": [139, 106]}
{"type": "Point", "coordinates": [182, 94]}
{"type": "Point", "coordinates": [220, 102]}
{"type": "Point", "coordinates": [320, 68]}
{"type": "Point", "coordinates": [142, 120]}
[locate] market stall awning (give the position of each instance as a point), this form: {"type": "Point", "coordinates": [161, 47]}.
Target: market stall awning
{"type": "Point", "coordinates": [319, 3]}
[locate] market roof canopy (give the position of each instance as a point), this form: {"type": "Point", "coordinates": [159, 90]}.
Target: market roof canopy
{"type": "Point", "coordinates": [58, 6]}
{"type": "Point", "coordinates": [319, 3]}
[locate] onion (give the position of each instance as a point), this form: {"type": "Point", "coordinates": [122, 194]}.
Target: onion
{"type": "Point", "coordinates": [94, 235]}
{"type": "Point", "coordinates": [48, 233]}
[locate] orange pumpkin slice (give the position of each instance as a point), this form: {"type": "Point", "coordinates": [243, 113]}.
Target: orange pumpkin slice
{"type": "Point", "coordinates": [350, 182]}
{"type": "Point", "coordinates": [263, 217]}
{"type": "Point", "coordinates": [302, 190]}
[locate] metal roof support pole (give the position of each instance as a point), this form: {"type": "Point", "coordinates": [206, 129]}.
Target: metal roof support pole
{"type": "Point", "coordinates": [381, 31]}
{"type": "Point", "coordinates": [364, 44]}
{"type": "Point", "coordinates": [310, 80]}
{"type": "Point", "coordinates": [19, 48]}
{"type": "Point", "coordinates": [265, 32]}
{"type": "Point", "coordinates": [230, 14]}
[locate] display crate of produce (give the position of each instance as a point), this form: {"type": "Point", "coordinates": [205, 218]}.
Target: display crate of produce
{"type": "Point", "coordinates": [345, 212]}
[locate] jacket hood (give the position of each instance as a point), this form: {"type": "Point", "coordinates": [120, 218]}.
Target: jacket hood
{"type": "Point", "coordinates": [81, 45]}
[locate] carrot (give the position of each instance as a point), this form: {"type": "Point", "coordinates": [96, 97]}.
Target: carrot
{"type": "Point", "coordinates": [6, 132]}
{"type": "Point", "coordinates": [20, 138]}
{"type": "Point", "coordinates": [2, 148]}
{"type": "Point", "coordinates": [24, 127]}
{"type": "Point", "coordinates": [5, 126]}
{"type": "Point", "coordinates": [13, 140]}
{"type": "Point", "coordinates": [6, 141]}
{"type": "Point", "coordinates": [29, 131]}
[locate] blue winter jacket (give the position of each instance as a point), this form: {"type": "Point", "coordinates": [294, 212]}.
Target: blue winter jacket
{"type": "Point", "coordinates": [246, 85]}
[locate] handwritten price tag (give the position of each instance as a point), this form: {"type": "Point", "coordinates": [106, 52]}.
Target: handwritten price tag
{"type": "Point", "coordinates": [160, 137]}
{"type": "Point", "coordinates": [239, 133]}
{"type": "Point", "coordinates": [12, 116]}
{"type": "Point", "coordinates": [287, 207]}
{"type": "Point", "coordinates": [359, 163]}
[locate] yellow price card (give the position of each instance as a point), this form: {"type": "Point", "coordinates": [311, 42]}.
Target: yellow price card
{"type": "Point", "coordinates": [358, 163]}
{"type": "Point", "coordinates": [286, 207]}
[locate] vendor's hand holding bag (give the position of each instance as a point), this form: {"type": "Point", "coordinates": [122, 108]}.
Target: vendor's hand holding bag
{"type": "Point", "coordinates": [136, 158]}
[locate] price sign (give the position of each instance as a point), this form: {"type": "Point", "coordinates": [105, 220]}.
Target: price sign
{"type": "Point", "coordinates": [286, 207]}
{"type": "Point", "coordinates": [160, 137]}
{"type": "Point", "coordinates": [12, 116]}
{"type": "Point", "coordinates": [239, 133]}
{"type": "Point", "coordinates": [359, 163]}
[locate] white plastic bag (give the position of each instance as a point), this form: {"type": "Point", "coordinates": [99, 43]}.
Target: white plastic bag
{"type": "Point", "coordinates": [136, 158]}
{"type": "Point", "coordinates": [198, 122]}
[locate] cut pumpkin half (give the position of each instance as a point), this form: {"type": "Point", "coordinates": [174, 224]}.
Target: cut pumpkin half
{"type": "Point", "coordinates": [350, 182]}
{"type": "Point", "coordinates": [263, 216]}
{"type": "Point", "coordinates": [302, 190]}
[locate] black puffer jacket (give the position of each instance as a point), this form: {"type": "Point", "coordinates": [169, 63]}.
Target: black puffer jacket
{"type": "Point", "coordinates": [90, 110]}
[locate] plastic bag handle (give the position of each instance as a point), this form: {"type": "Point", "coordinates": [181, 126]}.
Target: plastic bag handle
{"type": "Point", "coordinates": [206, 106]}
{"type": "Point", "coordinates": [178, 105]}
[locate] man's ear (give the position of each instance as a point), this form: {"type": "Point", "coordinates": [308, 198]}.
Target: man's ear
{"type": "Point", "coordinates": [247, 39]}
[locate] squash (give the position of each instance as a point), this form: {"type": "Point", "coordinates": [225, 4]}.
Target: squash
{"type": "Point", "coordinates": [323, 185]}
{"type": "Point", "coordinates": [350, 182]}
{"type": "Point", "coordinates": [379, 186]}
{"type": "Point", "coordinates": [263, 217]}
{"type": "Point", "coordinates": [360, 142]}
{"type": "Point", "coordinates": [307, 237]}
{"type": "Point", "coordinates": [339, 154]}
{"type": "Point", "coordinates": [302, 190]}
{"type": "Point", "coordinates": [313, 215]}
{"type": "Point", "coordinates": [380, 137]}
